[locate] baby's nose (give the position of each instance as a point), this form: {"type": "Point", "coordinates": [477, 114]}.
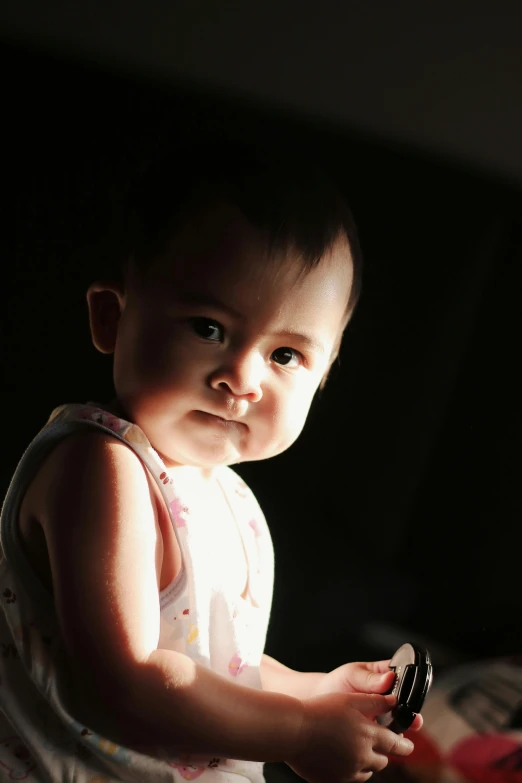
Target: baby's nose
{"type": "Point", "coordinates": [242, 376]}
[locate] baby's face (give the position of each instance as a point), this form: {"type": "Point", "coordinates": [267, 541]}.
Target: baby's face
{"type": "Point", "coordinates": [220, 349]}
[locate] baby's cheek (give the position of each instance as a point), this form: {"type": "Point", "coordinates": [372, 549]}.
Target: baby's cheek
{"type": "Point", "coordinates": [298, 408]}
{"type": "Point", "coordinates": [286, 426]}
{"type": "Point", "coordinates": [157, 366]}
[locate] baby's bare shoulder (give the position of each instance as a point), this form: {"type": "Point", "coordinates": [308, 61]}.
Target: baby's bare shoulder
{"type": "Point", "coordinates": [85, 469]}
{"type": "Point", "coordinates": [90, 496]}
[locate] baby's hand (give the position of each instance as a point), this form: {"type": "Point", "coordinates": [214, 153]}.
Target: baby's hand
{"type": "Point", "coordinates": [342, 743]}
{"type": "Point", "coordinates": [373, 677]}
{"type": "Point", "coordinates": [366, 677]}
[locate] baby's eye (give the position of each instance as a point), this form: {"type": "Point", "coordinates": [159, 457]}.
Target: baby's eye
{"type": "Point", "coordinates": [287, 357]}
{"type": "Point", "coordinates": [207, 328]}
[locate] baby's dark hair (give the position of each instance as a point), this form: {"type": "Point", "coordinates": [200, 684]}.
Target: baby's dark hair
{"type": "Point", "coordinates": [284, 194]}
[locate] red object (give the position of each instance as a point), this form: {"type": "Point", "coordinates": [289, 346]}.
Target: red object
{"type": "Point", "coordinates": [488, 758]}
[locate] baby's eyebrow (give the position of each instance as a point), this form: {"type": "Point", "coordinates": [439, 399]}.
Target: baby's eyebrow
{"type": "Point", "coordinates": [311, 342]}
{"type": "Point", "coordinates": [196, 300]}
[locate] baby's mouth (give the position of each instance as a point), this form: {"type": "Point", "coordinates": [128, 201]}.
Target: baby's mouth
{"type": "Point", "coordinates": [219, 420]}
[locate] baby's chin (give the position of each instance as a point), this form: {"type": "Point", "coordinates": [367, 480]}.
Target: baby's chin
{"type": "Point", "coordinates": [194, 459]}
{"type": "Point", "coordinates": [221, 454]}
{"type": "Point", "coordinates": [207, 464]}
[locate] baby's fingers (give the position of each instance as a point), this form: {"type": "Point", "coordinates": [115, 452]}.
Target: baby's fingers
{"type": "Point", "coordinates": [392, 744]}
{"type": "Point", "coordinates": [373, 704]}
{"type": "Point", "coordinates": [382, 667]}
{"type": "Point", "coordinates": [372, 678]}
{"type": "Point", "coordinates": [417, 723]}
{"type": "Point", "coordinates": [378, 763]}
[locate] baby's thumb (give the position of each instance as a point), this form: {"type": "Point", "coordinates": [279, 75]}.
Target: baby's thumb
{"type": "Point", "coordinates": [373, 704]}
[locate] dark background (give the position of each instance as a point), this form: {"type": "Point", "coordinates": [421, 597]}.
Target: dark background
{"type": "Point", "coordinates": [397, 515]}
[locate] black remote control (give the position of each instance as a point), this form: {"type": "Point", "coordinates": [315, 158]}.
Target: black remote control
{"type": "Point", "coordinates": [413, 678]}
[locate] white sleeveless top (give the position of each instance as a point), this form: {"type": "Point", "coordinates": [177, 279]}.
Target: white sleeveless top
{"type": "Point", "coordinates": [201, 616]}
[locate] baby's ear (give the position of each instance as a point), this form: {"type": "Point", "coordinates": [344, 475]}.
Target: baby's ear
{"type": "Point", "coordinates": [105, 300]}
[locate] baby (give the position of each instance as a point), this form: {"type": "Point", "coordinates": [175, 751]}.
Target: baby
{"type": "Point", "coordinates": [137, 574]}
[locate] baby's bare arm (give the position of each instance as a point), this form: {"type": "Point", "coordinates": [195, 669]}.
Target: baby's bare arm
{"type": "Point", "coordinates": [277, 677]}
{"type": "Point", "coordinates": [105, 553]}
